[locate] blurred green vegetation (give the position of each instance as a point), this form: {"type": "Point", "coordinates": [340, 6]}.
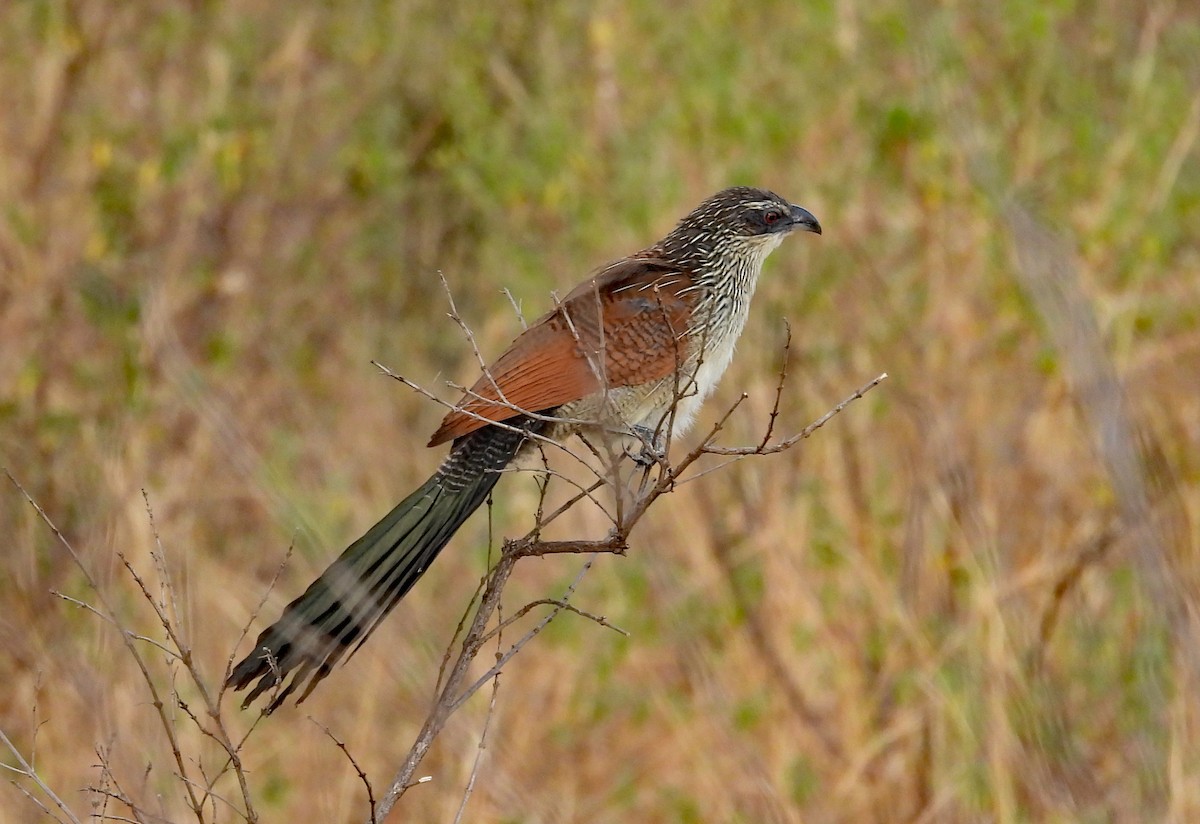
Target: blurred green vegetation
{"type": "Point", "coordinates": [215, 214]}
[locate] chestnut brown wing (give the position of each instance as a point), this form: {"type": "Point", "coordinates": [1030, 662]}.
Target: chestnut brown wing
{"type": "Point", "coordinates": [623, 327]}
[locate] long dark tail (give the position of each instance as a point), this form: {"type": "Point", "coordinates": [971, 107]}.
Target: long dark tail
{"type": "Point", "coordinates": [342, 607]}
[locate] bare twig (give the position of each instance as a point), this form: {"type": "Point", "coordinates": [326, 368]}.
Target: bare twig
{"type": "Point", "coordinates": [783, 371]}
{"type": "Point", "coordinates": [462, 622]}
{"type": "Point", "coordinates": [479, 750]}
{"type": "Point", "coordinates": [568, 504]}
{"type": "Point", "coordinates": [165, 650]}
{"type": "Point", "coordinates": [466, 330]}
{"type": "Point", "coordinates": [218, 732]}
{"type": "Point", "coordinates": [501, 660]}
{"type": "Point", "coordinates": [581, 493]}
{"type": "Point", "coordinates": [516, 305]}
{"type": "Point", "coordinates": [491, 711]}
{"type": "Point", "coordinates": [788, 443]}
{"type": "Point", "coordinates": [552, 602]}
{"type": "Point", "coordinates": [26, 770]}
{"type": "Point", "coordinates": [197, 783]}
{"type": "Point", "coordinates": [165, 721]}
{"type": "Point", "coordinates": [362, 776]}
{"type": "Point", "coordinates": [523, 548]}
{"type": "Point", "coordinates": [441, 710]}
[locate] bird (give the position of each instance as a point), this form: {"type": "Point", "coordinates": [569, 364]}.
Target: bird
{"type": "Point", "coordinates": [635, 349]}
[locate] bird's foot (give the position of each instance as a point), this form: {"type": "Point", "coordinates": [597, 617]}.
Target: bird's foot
{"type": "Point", "coordinates": [653, 448]}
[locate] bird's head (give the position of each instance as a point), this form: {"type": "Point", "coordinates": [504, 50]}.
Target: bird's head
{"type": "Point", "coordinates": [734, 224]}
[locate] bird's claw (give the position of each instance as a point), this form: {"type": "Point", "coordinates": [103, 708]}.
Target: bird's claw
{"type": "Point", "coordinates": [653, 450]}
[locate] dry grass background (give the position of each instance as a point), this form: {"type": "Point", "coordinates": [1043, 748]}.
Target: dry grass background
{"type": "Point", "coordinates": [944, 607]}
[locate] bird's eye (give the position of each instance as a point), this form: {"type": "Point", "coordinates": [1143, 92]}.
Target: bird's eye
{"type": "Point", "coordinates": [772, 217]}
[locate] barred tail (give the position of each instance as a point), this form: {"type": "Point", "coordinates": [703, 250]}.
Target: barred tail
{"type": "Point", "coordinates": [340, 609]}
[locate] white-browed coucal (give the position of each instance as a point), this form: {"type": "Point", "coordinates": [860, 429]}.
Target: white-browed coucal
{"type": "Point", "coordinates": [634, 348]}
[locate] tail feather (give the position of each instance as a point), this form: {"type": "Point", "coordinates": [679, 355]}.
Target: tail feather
{"type": "Point", "coordinates": [340, 610]}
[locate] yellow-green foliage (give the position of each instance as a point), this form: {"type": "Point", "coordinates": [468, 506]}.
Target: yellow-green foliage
{"type": "Point", "coordinates": [213, 215]}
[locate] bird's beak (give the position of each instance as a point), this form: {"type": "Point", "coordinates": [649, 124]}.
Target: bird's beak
{"type": "Point", "coordinates": [805, 220]}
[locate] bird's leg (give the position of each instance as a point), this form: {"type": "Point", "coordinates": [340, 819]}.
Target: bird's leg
{"type": "Point", "coordinates": [653, 446]}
